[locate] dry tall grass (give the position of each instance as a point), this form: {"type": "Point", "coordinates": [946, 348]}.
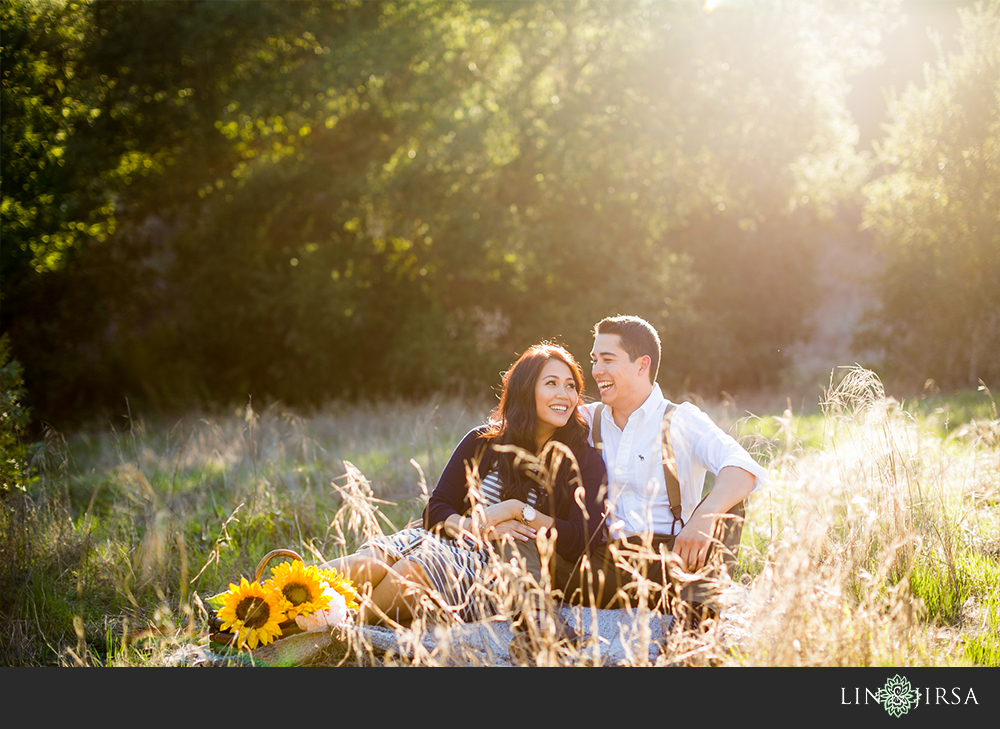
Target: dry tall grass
{"type": "Point", "coordinates": [876, 541]}
{"type": "Point", "coordinates": [854, 538]}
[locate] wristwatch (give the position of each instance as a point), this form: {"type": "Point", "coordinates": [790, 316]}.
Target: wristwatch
{"type": "Point", "coordinates": [527, 514]}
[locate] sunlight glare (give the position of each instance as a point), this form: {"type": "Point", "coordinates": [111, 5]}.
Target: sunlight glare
{"type": "Point", "coordinates": [711, 5]}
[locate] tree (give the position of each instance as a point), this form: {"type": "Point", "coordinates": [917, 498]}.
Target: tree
{"type": "Point", "coordinates": [935, 212]}
{"type": "Point", "coordinates": [312, 200]}
{"type": "Point", "coordinates": [14, 420]}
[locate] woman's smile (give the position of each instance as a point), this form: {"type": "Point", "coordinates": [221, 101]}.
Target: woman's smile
{"type": "Point", "coordinates": [556, 398]}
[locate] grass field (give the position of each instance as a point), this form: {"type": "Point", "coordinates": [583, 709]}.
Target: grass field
{"type": "Point", "coordinates": [876, 542]}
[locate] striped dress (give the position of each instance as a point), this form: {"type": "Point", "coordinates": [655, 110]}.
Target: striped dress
{"type": "Point", "coordinates": [454, 567]}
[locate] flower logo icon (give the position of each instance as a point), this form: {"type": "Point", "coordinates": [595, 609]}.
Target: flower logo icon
{"type": "Point", "coordinates": [897, 696]}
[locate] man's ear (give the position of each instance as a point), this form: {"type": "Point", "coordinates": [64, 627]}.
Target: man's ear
{"type": "Point", "coordinates": [644, 363]}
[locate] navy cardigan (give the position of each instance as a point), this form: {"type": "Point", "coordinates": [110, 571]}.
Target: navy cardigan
{"type": "Point", "coordinates": [577, 532]}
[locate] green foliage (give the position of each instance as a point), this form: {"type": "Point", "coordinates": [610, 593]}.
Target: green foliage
{"type": "Point", "coordinates": [314, 200]}
{"type": "Point", "coordinates": [40, 210]}
{"type": "Point", "coordinates": [935, 211]}
{"type": "Point", "coordinates": [957, 413]}
{"type": "Point", "coordinates": [40, 552]}
{"type": "Point", "coordinates": [14, 418]}
{"type": "Point", "coordinates": [948, 588]}
{"type": "Point", "coordinates": [943, 594]}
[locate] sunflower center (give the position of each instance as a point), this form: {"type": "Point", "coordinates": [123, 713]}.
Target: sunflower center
{"type": "Point", "coordinates": [296, 593]}
{"type": "Point", "coordinates": [254, 612]}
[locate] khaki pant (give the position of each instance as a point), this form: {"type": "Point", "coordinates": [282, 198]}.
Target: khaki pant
{"type": "Point", "coordinates": [532, 599]}
{"type": "Point", "coordinates": [635, 571]}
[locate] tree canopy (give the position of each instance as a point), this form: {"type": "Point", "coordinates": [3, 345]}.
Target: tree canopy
{"type": "Point", "coordinates": [309, 200]}
{"type": "Point", "coordinates": [935, 209]}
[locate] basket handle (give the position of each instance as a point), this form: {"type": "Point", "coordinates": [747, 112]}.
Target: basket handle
{"type": "Point", "coordinates": [271, 555]}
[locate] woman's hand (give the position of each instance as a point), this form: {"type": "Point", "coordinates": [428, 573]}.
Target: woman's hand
{"type": "Point", "coordinates": [509, 510]}
{"type": "Point", "coordinates": [510, 529]}
{"type": "Point", "coordinates": [507, 514]}
{"type": "Point", "coordinates": [483, 522]}
{"type": "Point", "coordinates": [503, 521]}
{"type": "Point", "coordinates": [491, 523]}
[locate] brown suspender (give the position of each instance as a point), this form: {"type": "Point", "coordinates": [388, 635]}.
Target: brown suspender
{"type": "Point", "coordinates": [669, 462]}
{"type": "Point", "coordinates": [731, 530]}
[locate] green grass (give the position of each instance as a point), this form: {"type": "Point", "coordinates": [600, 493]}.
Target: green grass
{"type": "Point", "coordinates": [123, 530]}
{"type": "Point", "coordinates": [983, 648]}
{"type": "Point", "coordinates": [880, 522]}
{"type": "Point", "coordinates": [946, 588]}
{"type": "Point", "coordinates": [947, 414]}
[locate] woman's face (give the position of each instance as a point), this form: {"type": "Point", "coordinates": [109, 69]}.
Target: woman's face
{"type": "Point", "coordinates": [556, 398]}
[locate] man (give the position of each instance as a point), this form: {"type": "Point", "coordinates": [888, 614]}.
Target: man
{"type": "Point", "coordinates": [625, 360]}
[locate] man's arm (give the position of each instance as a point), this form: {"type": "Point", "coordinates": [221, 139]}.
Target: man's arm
{"type": "Point", "coordinates": [732, 486]}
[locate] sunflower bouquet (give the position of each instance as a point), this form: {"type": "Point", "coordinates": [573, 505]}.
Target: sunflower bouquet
{"type": "Point", "coordinates": [296, 598]}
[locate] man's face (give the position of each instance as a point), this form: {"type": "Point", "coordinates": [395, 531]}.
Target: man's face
{"type": "Point", "coordinates": [621, 382]}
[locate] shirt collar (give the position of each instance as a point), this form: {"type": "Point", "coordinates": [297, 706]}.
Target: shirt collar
{"type": "Point", "coordinates": [654, 401]}
{"type": "Point", "coordinates": [648, 407]}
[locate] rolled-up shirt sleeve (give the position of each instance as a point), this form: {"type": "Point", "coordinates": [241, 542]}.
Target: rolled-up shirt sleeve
{"type": "Point", "coordinates": [711, 446]}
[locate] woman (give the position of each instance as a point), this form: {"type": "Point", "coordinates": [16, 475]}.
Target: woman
{"type": "Point", "coordinates": [527, 469]}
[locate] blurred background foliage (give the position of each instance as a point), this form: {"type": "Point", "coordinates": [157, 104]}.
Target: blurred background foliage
{"type": "Point", "coordinates": [314, 200]}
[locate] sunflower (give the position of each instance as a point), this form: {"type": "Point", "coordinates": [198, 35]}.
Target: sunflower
{"type": "Point", "coordinates": [253, 612]}
{"type": "Point", "coordinates": [300, 587]}
{"type": "Point", "coordinates": [341, 584]}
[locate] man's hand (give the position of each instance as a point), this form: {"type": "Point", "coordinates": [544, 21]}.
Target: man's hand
{"type": "Point", "coordinates": [692, 545]}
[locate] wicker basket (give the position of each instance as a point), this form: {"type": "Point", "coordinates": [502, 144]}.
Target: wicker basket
{"type": "Point", "coordinates": [294, 647]}
{"type": "Point", "coordinates": [219, 638]}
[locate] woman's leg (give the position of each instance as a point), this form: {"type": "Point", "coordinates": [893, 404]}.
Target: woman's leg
{"type": "Point", "coordinates": [395, 598]}
{"type": "Point", "coordinates": [367, 569]}
{"type": "Point", "coordinates": [366, 566]}
{"type": "Point", "coordinates": [390, 589]}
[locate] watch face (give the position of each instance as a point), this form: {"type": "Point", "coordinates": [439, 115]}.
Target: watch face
{"type": "Point", "coordinates": [528, 513]}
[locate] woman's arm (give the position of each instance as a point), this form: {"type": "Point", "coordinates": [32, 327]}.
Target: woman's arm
{"type": "Point", "coordinates": [578, 527]}
{"type": "Point", "coordinates": [448, 504]}
{"type": "Point", "coordinates": [450, 498]}
{"type": "Point", "coordinates": [450, 501]}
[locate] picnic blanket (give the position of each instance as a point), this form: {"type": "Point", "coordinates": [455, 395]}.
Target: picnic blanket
{"type": "Point", "coordinates": [614, 637]}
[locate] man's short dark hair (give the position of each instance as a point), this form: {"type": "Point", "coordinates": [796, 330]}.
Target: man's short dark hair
{"type": "Point", "coordinates": [638, 338]}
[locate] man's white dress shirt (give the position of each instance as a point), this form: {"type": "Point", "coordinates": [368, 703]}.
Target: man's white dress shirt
{"type": "Point", "coordinates": [637, 491]}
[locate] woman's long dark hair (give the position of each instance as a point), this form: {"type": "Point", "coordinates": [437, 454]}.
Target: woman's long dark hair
{"type": "Point", "coordinates": [514, 421]}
